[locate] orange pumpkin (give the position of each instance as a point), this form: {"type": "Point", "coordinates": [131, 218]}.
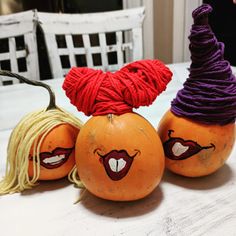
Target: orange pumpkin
{"type": "Point", "coordinates": [119, 157]}
{"type": "Point", "coordinates": [194, 149]}
{"type": "Point", "coordinates": [57, 156]}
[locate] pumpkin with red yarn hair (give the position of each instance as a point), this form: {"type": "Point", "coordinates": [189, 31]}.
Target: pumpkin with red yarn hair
{"type": "Point", "coordinates": [119, 155]}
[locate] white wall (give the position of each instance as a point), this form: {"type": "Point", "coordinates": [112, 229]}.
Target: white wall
{"type": "Point", "coordinates": [182, 21]}
{"type": "Point", "coordinates": [163, 29]}
{"type": "Point", "coordinates": [148, 30]}
{"type": "Point", "coordinates": [10, 6]}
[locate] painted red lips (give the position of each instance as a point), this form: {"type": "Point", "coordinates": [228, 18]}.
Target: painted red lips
{"type": "Point", "coordinates": [54, 159]}
{"type": "Point", "coordinates": [117, 163]}
{"type": "Point", "coordinates": [180, 149]}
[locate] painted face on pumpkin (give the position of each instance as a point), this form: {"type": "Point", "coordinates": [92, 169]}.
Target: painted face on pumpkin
{"type": "Point", "coordinates": [56, 154]}
{"type": "Point", "coordinates": [176, 148]}
{"type": "Point", "coordinates": [119, 157]}
{"type": "Point", "coordinates": [116, 163]}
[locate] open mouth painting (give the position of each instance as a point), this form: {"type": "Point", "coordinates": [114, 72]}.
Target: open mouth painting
{"type": "Point", "coordinates": [54, 159]}
{"type": "Point", "coordinates": [180, 149]}
{"type": "Point", "coordinates": [117, 163]}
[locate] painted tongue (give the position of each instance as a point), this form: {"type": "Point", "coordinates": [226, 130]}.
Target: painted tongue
{"type": "Point", "coordinates": [209, 94]}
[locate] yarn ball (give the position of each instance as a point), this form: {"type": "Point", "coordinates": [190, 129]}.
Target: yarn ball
{"type": "Point", "coordinates": [95, 92]}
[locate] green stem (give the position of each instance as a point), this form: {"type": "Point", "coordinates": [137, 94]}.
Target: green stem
{"type": "Point", "coordinates": [52, 101]}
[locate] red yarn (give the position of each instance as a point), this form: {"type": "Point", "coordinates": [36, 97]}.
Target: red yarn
{"type": "Point", "coordinates": [98, 93]}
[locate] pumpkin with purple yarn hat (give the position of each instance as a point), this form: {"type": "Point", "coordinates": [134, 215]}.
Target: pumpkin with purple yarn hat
{"type": "Point", "coordinates": [198, 132]}
{"type": "Point", "coordinates": [119, 155]}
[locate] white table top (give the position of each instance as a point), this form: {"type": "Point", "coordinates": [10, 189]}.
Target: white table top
{"type": "Point", "coordinates": [178, 206]}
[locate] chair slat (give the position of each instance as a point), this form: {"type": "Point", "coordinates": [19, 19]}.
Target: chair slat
{"type": "Point", "coordinates": [120, 60]}
{"type": "Point", "coordinates": [6, 55]}
{"type": "Point", "coordinates": [88, 52]}
{"type": "Point", "coordinates": [137, 45]}
{"type": "Point", "coordinates": [32, 64]}
{"type": "Point", "coordinates": [63, 51]}
{"type": "Point", "coordinates": [70, 47]}
{"type": "Point", "coordinates": [13, 59]}
{"type": "Point", "coordinates": [54, 61]}
{"type": "Point", "coordinates": [102, 41]}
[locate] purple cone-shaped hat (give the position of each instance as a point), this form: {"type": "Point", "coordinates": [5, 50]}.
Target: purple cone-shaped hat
{"type": "Point", "coordinates": [209, 94]}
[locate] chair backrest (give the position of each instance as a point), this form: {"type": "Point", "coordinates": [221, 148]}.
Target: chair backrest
{"type": "Point", "coordinates": [106, 40]}
{"type": "Point", "coordinates": [18, 46]}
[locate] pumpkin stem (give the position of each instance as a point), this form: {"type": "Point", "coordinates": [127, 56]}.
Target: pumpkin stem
{"type": "Point", "coordinates": [52, 102]}
{"type": "Point", "coordinates": [110, 117]}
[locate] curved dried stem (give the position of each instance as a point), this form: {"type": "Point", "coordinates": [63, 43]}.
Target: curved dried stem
{"type": "Point", "coordinates": [52, 100]}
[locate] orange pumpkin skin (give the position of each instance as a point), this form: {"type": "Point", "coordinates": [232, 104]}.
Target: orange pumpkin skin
{"type": "Point", "coordinates": [111, 133]}
{"type": "Point", "coordinates": [64, 137]}
{"type": "Point", "coordinates": [206, 161]}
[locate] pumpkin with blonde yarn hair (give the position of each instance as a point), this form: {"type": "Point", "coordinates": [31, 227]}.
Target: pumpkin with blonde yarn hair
{"type": "Point", "coordinates": [119, 155]}
{"type": "Point", "coordinates": [41, 146]}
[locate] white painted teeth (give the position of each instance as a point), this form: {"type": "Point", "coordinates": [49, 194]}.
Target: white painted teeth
{"type": "Point", "coordinates": [178, 149]}
{"type": "Point", "coordinates": [54, 160]}
{"type": "Point", "coordinates": [117, 165]}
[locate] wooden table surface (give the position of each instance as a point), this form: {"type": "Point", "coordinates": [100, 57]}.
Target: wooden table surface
{"type": "Point", "coordinates": [179, 206]}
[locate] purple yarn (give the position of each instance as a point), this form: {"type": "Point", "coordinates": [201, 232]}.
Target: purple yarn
{"type": "Point", "coordinates": [209, 94]}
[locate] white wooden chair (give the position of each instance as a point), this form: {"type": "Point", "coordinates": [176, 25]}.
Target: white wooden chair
{"type": "Point", "coordinates": [106, 40]}
{"type": "Point", "coordinates": [18, 46]}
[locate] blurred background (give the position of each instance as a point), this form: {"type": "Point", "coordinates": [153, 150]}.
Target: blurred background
{"type": "Point", "coordinates": [166, 26]}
